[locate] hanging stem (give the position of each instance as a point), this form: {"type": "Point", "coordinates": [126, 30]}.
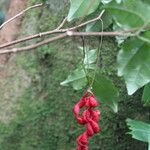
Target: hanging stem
{"type": "Point", "coordinates": [98, 54]}
{"type": "Point", "coordinates": [83, 46]}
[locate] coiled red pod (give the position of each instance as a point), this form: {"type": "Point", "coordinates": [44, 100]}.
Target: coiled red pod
{"type": "Point", "coordinates": [89, 117]}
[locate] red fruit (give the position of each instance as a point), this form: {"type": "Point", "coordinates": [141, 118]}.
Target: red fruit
{"type": "Point", "coordinates": [89, 130]}
{"type": "Point", "coordinates": [76, 109]}
{"type": "Point", "coordinates": [82, 140]}
{"type": "Point", "coordinates": [95, 115]}
{"type": "Point", "coordinates": [80, 120]}
{"type": "Point", "coordinates": [95, 126]}
{"type": "Point", "coordinates": [82, 148]}
{"type": "Point", "coordinates": [89, 117]}
{"type": "Point", "coordinates": [93, 102]}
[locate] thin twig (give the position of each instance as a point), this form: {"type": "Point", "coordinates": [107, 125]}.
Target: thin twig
{"type": "Point", "coordinates": [19, 14]}
{"type": "Point", "coordinates": [87, 22]}
{"type": "Point", "coordinates": [62, 24]}
{"type": "Point", "coordinates": [50, 32]}
{"type": "Point", "coordinates": [61, 36]}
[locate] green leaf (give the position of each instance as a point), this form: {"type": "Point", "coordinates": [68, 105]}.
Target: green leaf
{"type": "Point", "coordinates": [145, 37]}
{"type": "Point", "coordinates": [146, 95]}
{"type": "Point", "coordinates": [108, 1]}
{"type": "Point", "coordinates": [146, 1]}
{"type": "Point", "coordinates": [77, 79]}
{"type": "Point", "coordinates": [147, 34]}
{"type": "Point", "coordinates": [90, 56]}
{"type": "Point", "coordinates": [81, 8]}
{"type": "Point", "coordinates": [129, 14]}
{"type": "Point", "coordinates": [91, 66]}
{"type": "Point", "coordinates": [139, 7]}
{"type": "Point", "coordinates": [133, 64]}
{"type": "Point", "coordinates": [105, 90]}
{"type": "Point", "coordinates": [119, 1]}
{"type": "Point", "coordinates": [139, 130]}
{"type": "Point", "coordinates": [97, 26]}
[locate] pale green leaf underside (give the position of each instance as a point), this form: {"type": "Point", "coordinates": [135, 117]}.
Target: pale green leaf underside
{"type": "Point", "coordinates": [77, 79]}
{"type": "Point", "coordinates": [108, 1]}
{"type": "Point", "coordinates": [90, 56]}
{"type": "Point", "coordinates": [139, 130]}
{"type": "Point", "coordinates": [81, 8]}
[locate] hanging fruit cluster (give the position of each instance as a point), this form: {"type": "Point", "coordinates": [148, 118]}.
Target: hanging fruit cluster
{"type": "Point", "coordinates": [88, 117]}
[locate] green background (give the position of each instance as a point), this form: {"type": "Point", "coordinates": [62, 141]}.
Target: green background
{"type": "Point", "coordinates": [43, 117]}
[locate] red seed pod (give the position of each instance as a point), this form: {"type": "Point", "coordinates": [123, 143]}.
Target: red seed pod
{"type": "Point", "coordinates": [93, 102]}
{"type": "Point", "coordinates": [80, 120]}
{"type": "Point", "coordinates": [82, 148]}
{"type": "Point", "coordinates": [79, 105]}
{"type": "Point", "coordinates": [82, 139]}
{"type": "Point", "coordinates": [95, 126]}
{"type": "Point", "coordinates": [89, 117]}
{"type": "Point", "coordinates": [95, 115]}
{"type": "Point", "coordinates": [86, 115]}
{"type": "Point", "coordinates": [89, 129]}
{"type": "Point", "coordinates": [76, 109]}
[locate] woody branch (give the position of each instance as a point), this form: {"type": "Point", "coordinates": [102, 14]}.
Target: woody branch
{"type": "Point", "coordinates": [60, 34]}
